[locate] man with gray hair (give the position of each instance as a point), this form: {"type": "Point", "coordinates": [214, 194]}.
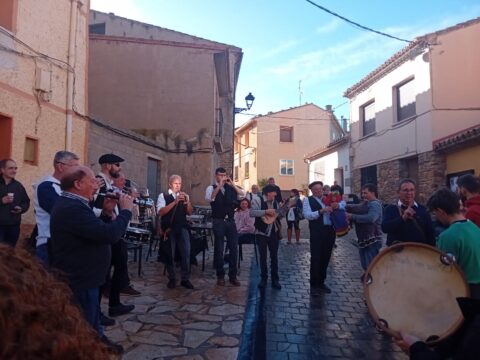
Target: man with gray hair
{"type": "Point", "coordinates": [173, 207]}
{"type": "Point", "coordinates": [406, 220]}
{"type": "Point", "coordinates": [45, 193]}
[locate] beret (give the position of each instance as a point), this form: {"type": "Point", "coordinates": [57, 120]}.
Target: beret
{"type": "Point", "coordinates": [110, 159]}
{"type": "Point", "coordinates": [269, 188]}
{"type": "Point", "coordinates": [315, 183]}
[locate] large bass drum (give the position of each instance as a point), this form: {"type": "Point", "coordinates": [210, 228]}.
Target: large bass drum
{"type": "Point", "coordinates": [412, 287]}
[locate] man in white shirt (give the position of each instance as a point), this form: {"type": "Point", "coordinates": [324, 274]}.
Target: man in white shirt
{"type": "Point", "coordinates": [223, 197]}
{"type": "Point", "coordinates": [173, 207]}
{"type": "Point", "coordinates": [45, 193]}
{"type": "Point", "coordinates": [322, 235]}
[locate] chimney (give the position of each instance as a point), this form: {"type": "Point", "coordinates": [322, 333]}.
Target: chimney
{"type": "Point", "coordinates": [344, 123]}
{"type": "Point", "coordinates": [328, 108]}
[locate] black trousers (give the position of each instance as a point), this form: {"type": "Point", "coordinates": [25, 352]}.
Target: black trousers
{"type": "Point", "coordinates": [322, 239]}
{"type": "Point", "coordinates": [120, 279]}
{"type": "Point", "coordinates": [225, 229]}
{"type": "Point", "coordinates": [271, 242]}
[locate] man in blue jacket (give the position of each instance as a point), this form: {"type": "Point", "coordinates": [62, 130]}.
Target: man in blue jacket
{"type": "Point", "coordinates": [81, 242]}
{"type": "Point", "coordinates": [406, 220]}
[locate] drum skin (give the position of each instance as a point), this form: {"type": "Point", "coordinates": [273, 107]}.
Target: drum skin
{"type": "Point", "coordinates": [412, 287]}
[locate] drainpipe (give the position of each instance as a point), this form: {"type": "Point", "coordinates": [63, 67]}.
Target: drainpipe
{"type": "Point", "coordinates": [70, 75]}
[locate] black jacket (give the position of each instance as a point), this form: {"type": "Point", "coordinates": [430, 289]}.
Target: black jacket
{"type": "Point", "coordinates": [20, 199]}
{"type": "Point", "coordinates": [420, 230]}
{"type": "Point", "coordinates": [80, 242]}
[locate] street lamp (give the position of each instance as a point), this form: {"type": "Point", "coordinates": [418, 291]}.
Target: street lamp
{"type": "Point", "coordinates": [249, 101]}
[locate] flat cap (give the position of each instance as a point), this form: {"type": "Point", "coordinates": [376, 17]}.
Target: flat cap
{"type": "Point", "coordinates": [315, 183]}
{"type": "Point", "coordinates": [110, 159]}
{"type": "Point", "coordinates": [269, 188]}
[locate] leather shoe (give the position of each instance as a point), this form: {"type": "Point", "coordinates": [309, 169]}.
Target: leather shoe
{"type": "Point", "coordinates": [186, 284]}
{"type": "Point", "coordinates": [113, 347]}
{"type": "Point", "coordinates": [171, 284]}
{"type": "Point", "coordinates": [120, 309]}
{"type": "Point", "coordinates": [235, 282]}
{"type": "Point", "coordinates": [262, 284]}
{"type": "Point", "coordinates": [129, 290]}
{"type": "Point", "coordinates": [220, 282]}
{"type": "Point", "coordinates": [276, 285]}
{"type": "Point", "coordinates": [105, 320]}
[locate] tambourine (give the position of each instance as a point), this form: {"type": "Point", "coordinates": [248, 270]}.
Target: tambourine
{"type": "Point", "coordinates": [412, 287]}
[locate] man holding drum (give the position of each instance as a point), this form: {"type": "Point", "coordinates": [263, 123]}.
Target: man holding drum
{"type": "Point", "coordinates": [407, 221]}
{"type": "Point", "coordinates": [322, 235]}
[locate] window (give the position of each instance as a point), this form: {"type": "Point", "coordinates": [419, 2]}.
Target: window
{"type": "Point", "coordinates": [219, 123]}
{"type": "Point", "coordinates": [405, 100]}
{"type": "Point", "coordinates": [237, 144]}
{"type": "Point", "coordinates": [367, 117]}
{"type": "Point", "coordinates": [5, 136]}
{"type": "Point", "coordinates": [247, 169]}
{"type": "Point", "coordinates": [30, 154]}
{"type": "Point", "coordinates": [369, 175]}
{"type": "Point", "coordinates": [235, 173]}
{"type": "Point", "coordinates": [247, 138]}
{"type": "Point", "coordinates": [286, 167]}
{"type": "Point", "coordinates": [8, 14]}
{"type": "Point", "coordinates": [97, 29]}
{"type": "Point", "coordinates": [286, 133]}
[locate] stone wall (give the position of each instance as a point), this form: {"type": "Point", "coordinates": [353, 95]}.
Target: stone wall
{"type": "Point", "coordinates": [431, 175]}
{"type": "Point", "coordinates": [388, 174]}
{"type": "Point", "coordinates": [432, 169]}
{"type": "Point", "coordinates": [195, 169]}
{"type": "Point", "coordinates": [356, 181]}
{"type": "Point", "coordinates": [103, 140]}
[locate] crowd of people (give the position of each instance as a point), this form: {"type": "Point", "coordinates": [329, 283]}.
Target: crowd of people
{"type": "Point", "coordinates": [81, 220]}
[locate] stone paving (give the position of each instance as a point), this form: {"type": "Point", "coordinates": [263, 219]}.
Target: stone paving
{"type": "Point", "coordinates": [229, 322]}
{"type": "Point", "coordinates": [204, 323]}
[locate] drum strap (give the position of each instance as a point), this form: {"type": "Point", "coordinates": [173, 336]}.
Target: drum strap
{"type": "Point", "coordinates": [165, 233]}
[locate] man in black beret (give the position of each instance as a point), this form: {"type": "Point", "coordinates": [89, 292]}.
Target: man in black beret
{"type": "Point", "coordinates": [110, 170]}
{"type": "Point", "coordinates": [267, 230]}
{"type": "Point", "coordinates": [322, 235]}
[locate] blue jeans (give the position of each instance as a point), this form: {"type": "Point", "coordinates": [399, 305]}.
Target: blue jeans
{"type": "Point", "coordinates": [368, 253]}
{"type": "Point", "coordinates": [221, 229]}
{"type": "Point", "coordinates": [88, 302]}
{"type": "Point", "coordinates": [180, 238]}
{"type": "Point", "coordinates": [9, 234]}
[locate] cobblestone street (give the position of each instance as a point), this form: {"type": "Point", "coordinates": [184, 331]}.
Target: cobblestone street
{"type": "Point", "coordinates": [304, 325]}
{"type": "Point", "coordinates": [229, 323]}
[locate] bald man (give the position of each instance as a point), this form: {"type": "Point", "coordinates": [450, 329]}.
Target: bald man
{"type": "Point", "coordinates": [80, 241]}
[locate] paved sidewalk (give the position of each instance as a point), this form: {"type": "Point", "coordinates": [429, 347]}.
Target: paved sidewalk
{"type": "Point", "coordinates": [204, 323]}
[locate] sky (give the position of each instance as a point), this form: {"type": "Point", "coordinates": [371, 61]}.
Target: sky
{"type": "Point", "coordinates": [294, 52]}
